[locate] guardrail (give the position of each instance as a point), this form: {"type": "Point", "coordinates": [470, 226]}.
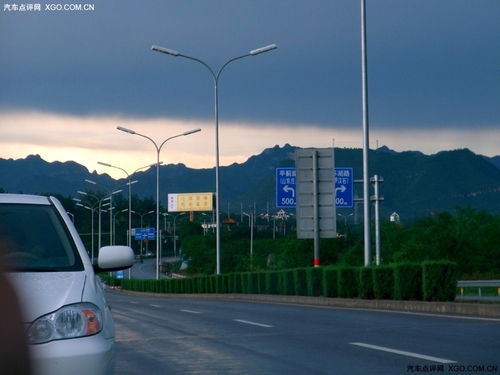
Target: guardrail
{"type": "Point", "coordinates": [479, 284]}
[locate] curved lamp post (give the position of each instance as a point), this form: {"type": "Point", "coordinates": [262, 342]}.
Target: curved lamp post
{"type": "Point", "coordinates": [130, 182]}
{"type": "Point", "coordinates": [92, 208]}
{"type": "Point", "coordinates": [175, 240]}
{"type": "Point", "coordinates": [111, 193]}
{"type": "Point", "coordinates": [158, 149]}
{"type": "Point", "coordinates": [216, 83]}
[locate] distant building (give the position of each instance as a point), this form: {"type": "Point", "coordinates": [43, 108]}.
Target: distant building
{"type": "Point", "coordinates": [395, 217]}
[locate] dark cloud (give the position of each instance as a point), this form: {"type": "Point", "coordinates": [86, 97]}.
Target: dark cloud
{"type": "Point", "coordinates": [430, 63]}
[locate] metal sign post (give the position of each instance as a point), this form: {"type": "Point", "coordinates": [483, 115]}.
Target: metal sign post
{"type": "Point", "coordinates": [315, 193]}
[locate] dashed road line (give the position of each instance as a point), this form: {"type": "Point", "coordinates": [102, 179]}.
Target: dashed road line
{"type": "Point", "coordinates": [253, 323]}
{"type": "Point", "coordinates": [401, 352]}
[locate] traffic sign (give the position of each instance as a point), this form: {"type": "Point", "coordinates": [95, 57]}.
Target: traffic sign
{"type": "Point", "coordinates": [145, 234]}
{"type": "Point", "coordinates": [285, 187]}
{"type": "Point", "coordinates": [344, 187]}
{"type": "Point", "coordinates": [316, 215]}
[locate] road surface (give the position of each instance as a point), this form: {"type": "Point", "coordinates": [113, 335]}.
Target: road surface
{"type": "Point", "coordinates": [158, 335]}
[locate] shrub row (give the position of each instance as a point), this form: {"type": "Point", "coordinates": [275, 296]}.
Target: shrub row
{"type": "Point", "coordinates": [430, 281]}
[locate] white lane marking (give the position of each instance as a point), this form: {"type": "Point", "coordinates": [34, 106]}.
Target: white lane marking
{"type": "Point", "coordinates": [408, 354]}
{"type": "Point", "coordinates": [253, 323]}
{"type": "Point", "coordinates": [134, 302]}
{"type": "Point", "coordinates": [190, 311]}
{"type": "Point", "coordinates": [154, 305]}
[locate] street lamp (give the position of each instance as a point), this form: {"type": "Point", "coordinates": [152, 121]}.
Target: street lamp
{"type": "Point", "coordinates": [99, 205]}
{"type": "Point", "coordinates": [158, 149]}
{"type": "Point", "coordinates": [130, 182]}
{"type": "Point", "coordinates": [216, 97]}
{"type": "Point", "coordinates": [366, 139]}
{"type": "Point", "coordinates": [114, 225]}
{"type": "Point", "coordinates": [92, 208]}
{"type": "Point", "coordinates": [345, 218]}
{"type": "Point", "coordinates": [175, 239]}
{"type": "Point", "coordinates": [250, 219]}
{"type": "Point", "coordinates": [111, 193]}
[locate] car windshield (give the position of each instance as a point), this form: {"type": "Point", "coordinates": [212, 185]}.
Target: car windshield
{"type": "Point", "coordinates": [34, 238]}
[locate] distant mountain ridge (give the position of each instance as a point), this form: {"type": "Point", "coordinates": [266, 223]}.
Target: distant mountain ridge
{"type": "Point", "coordinates": [414, 184]}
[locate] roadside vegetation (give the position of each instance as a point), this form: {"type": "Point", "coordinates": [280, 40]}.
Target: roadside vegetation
{"type": "Point", "coordinates": [468, 237]}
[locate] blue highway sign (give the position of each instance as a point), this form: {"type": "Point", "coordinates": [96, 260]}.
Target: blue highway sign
{"type": "Point", "coordinates": [344, 187]}
{"type": "Point", "coordinates": [285, 187]}
{"type": "Point", "coordinates": [145, 233]}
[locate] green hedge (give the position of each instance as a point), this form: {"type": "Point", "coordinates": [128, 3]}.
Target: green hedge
{"type": "Point", "coordinates": [330, 282]}
{"type": "Point", "coordinates": [261, 282]}
{"type": "Point", "coordinates": [314, 281]}
{"type": "Point", "coordinates": [232, 283]}
{"type": "Point", "coordinates": [221, 282]}
{"type": "Point", "coordinates": [348, 282]}
{"type": "Point", "coordinates": [365, 285]}
{"type": "Point", "coordinates": [287, 283]}
{"type": "Point", "coordinates": [300, 281]}
{"type": "Point", "coordinates": [430, 281]}
{"type": "Point", "coordinates": [253, 283]}
{"type": "Point", "coordinates": [383, 282]}
{"type": "Point", "coordinates": [439, 280]}
{"type": "Point", "coordinates": [273, 286]}
{"type": "Point", "coordinates": [408, 281]}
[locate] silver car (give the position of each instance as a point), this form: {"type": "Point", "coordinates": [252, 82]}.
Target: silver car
{"type": "Point", "coordinates": [68, 322]}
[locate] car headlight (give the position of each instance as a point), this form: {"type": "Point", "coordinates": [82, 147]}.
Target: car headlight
{"type": "Point", "coordinates": [78, 320]}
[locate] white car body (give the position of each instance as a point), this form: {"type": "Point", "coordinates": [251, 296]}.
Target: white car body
{"type": "Point", "coordinates": [64, 310]}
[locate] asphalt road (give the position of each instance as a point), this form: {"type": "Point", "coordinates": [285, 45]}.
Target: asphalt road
{"type": "Point", "coordinates": [158, 335]}
{"type": "Point", "coordinates": [146, 269]}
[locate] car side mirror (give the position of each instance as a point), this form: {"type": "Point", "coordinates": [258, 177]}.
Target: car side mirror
{"type": "Point", "coordinates": [114, 258]}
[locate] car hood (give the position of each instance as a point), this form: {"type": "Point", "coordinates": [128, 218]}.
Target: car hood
{"type": "Point", "coordinates": [41, 293]}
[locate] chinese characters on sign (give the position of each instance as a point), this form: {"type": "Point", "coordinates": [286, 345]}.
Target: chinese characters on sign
{"type": "Point", "coordinates": [285, 187]}
{"type": "Point", "coordinates": [344, 187]}
{"type": "Point", "coordinates": [142, 234]}
{"type": "Point", "coordinates": [190, 202]}
{"type": "Point", "coordinates": [286, 181]}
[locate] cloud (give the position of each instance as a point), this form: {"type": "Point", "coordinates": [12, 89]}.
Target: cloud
{"type": "Point", "coordinates": [89, 139]}
{"type": "Point", "coordinates": [431, 63]}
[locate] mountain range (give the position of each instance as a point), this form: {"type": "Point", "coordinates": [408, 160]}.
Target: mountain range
{"type": "Point", "coordinates": [414, 185]}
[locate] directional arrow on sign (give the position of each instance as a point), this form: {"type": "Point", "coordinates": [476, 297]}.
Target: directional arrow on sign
{"type": "Point", "coordinates": [288, 189]}
{"type": "Point", "coordinates": [342, 188]}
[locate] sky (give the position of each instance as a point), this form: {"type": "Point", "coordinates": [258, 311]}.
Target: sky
{"type": "Point", "coordinates": [69, 77]}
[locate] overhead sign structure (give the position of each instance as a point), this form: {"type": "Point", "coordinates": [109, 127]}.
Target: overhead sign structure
{"type": "Point", "coordinates": [190, 202]}
{"type": "Point", "coordinates": [344, 187]}
{"type": "Point", "coordinates": [285, 187]}
{"type": "Point", "coordinates": [145, 234]}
